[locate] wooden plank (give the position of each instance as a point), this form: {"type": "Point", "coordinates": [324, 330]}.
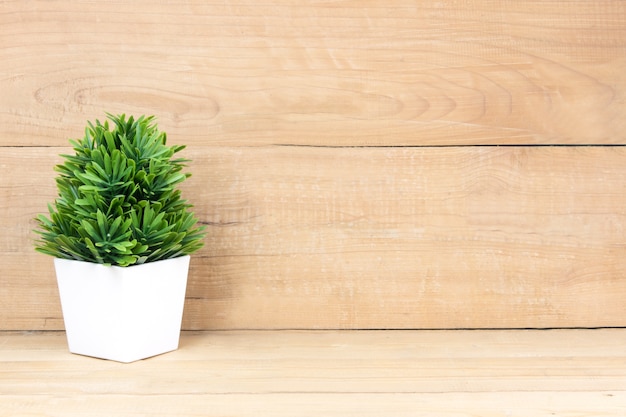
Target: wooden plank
{"type": "Point", "coordinates": [324, 73]}
{"type": "Point", "coordinates": [461, 373]}
{"type": "Point", "coordinates": [306, 237]}
{"type": "Point", "coordinates": [515, 404]}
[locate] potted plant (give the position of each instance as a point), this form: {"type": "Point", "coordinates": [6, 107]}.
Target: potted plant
{"type": "Point", "coordinates": [121, 235]}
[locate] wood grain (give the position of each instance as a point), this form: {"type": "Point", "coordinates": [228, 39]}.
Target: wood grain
{"type": "Point", "coordinates": [312, 373]}
{"type": "Point", "coordinates": [501, 404]}
{"type": "Point", "coordinates": [339, 154]}
{"type": "Point", "coordinates": [307, 237]}
{"type": "Point", "coordinates": [325, 73]}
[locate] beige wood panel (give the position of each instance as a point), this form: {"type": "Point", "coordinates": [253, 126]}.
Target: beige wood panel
{"type": "Point", "coordinates": [312, 373]}
{"type": "Point", "coordinates": [326, 73]}
{"type": "Point", "coordinates": [500, 404]}
{"type": "Point", "coordinates": [305, 237]}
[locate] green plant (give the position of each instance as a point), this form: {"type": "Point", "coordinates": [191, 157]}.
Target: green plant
{"type": "Point", "coordinates": [117, 200]}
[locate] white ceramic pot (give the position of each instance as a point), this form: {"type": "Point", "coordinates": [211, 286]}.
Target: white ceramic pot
{"type": "Point", "coordinates": [122, 313]}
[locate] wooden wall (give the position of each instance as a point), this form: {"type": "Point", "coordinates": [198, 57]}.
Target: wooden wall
{"type": "Point", "coordinates": [360, 164]}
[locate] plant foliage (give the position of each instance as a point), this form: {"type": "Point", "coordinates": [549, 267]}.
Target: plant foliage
{"type": "Point", "coordinates": [118, 203]}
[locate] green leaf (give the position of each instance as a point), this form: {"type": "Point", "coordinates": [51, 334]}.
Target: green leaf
{"type": "Point", "coordinates": [90, 230]}
{"type": "Point", "coordinates": [114, 226]}
{"type": "Point", "coordinates": [102, 224]}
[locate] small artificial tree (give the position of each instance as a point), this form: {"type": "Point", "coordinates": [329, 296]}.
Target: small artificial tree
{"type": "Point", "coordinates": [117, 199]}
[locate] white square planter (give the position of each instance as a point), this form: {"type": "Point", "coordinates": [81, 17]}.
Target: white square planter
{"type": "Point", "coordinates": [122, 313]}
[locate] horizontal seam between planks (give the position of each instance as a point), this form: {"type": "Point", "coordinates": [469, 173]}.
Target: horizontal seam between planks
{"type": "Point", "coordinates": [539, 145]}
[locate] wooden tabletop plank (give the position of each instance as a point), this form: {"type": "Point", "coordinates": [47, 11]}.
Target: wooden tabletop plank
{"type": "Point", "coordinates": [499, 404]}
{"type": "Point", "coordinates": [465, 373]}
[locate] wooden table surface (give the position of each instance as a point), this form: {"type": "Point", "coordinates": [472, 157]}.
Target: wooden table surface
{"type": "Point", "coordinates": [321, 373]}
